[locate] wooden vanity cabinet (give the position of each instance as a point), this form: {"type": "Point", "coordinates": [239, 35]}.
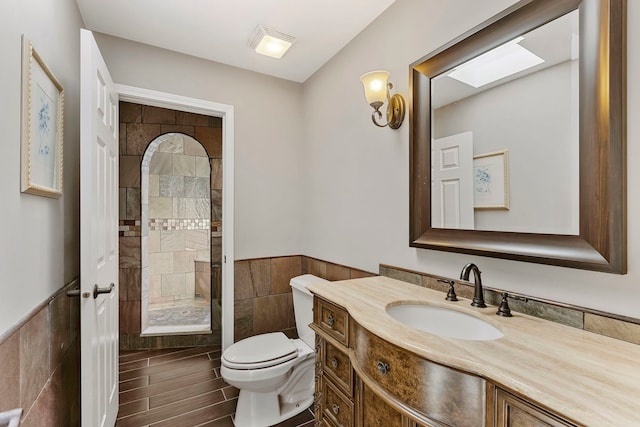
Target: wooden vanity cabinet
{"type": "Point", "coordinates": [365, 381]}
{"type": "Point", "coordinates": [511, 411]}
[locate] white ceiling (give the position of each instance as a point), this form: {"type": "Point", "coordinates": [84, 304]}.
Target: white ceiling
{"type": "Point", "coordinates": [219, 30]}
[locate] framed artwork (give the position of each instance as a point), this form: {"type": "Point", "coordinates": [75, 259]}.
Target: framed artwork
{"type": "Point", "coordinates": [42, 121]}
{"type": "Point", "coordinates": [491, 180]}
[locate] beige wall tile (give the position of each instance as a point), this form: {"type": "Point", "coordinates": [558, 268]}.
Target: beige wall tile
{"type": "Point", "coordinates": [129, 173]}
{"type": "Point", "coordinates": [216, 250]}
{"type": "Point", "coordinates": [183, 208]}
{"type": "Point", "coordinates": [193, 148]}
{"type": "Point", "coordinates": [190, 284]}
{"type": "Point", "coordinates": [216, 205]}
{"type": "Point", "coordinates": [202, 167]}
{"type": "Point", "coordinates": [183, 261]}
{"type": "Point", "coordinates": [314, 266]}
{"type": "Point", "coordinates": [183, 165]}
{"type": "Point", "coordinates": [154, 185]}
{"type": "Point", "coordinates": [216, 174]}
{"type": "Point", "coordinates": [161, 164]}
{"type": "Point", "coordinates": [129, 317]}
{"type": "Point", "coordinates": [282, 270]}
{"type": "Point", "coordinates": [133, 203]}
{"type": "Point", "coordinates": [48, 409]}
{"type": "Point", "coordinates": [60, 338]}
{"type": "Point", "coordinates": [260, 276]}
{"type": "Point", "coordinates": [171, 186]}
{"type": "Point", "coordinates": [358, 274]}
{"type": "Point", "coordinates": [160, 263]}
{"type": "Point", "coordinates": [211, 139]}
{"type": "Point", "coordinates": [203, 284]}
{"type": "Point", "coordinates": [613, 328]}
{"type": "Point", "coordinates": [197, 240]}
{"type": "Point", "coordinates": [187, 130]}
{"type": "Point", "coordinates": [192, 119]}
{"type": "Point", "coordinates": [337, 272]}
{"type": "Point", "coordinates": [160, 207]}
{"type": "Point", "coordinates": [173, 144]}
{"type": "Point", "coordinates": [122, 203]}
{"type": "Point", "coordinates": [152, 114]}
{"type": "Point", "coordinates": [173, 285]}
{"type": "Point", "coordinates": [130, 112]}
{"type": "Point", "coordinates": [130, 280]}
{"type": "Point", "coordinates": [270, 313]}
{"type": "Point", "coordinates": [153, 242]}
{"type": "Point", "coordinates": [197, 187]}
{"type": "Point", "coordinates": [34, 357]}
{"type": "Point", "coordinates": [155, 286]}
{"type": "Point", "coordinates": [129, 252]}
{"type": "Point", "coordinates": [10, 373]}
{"type": "Point", "coordinates": [139, 136]}
{"type": "Point", "coordinates": [172, 240]}
{"type": "Point", "coordinates": [242, 286]}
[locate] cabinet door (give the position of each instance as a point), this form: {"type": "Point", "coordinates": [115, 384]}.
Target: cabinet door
{"type": "Point", "coordinates": [375, 412]}
{"type": "Point", "coordinates": [512, 411]}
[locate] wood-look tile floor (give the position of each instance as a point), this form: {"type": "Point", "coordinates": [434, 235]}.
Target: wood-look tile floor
{"type": "Point", "coordinates": [180, 388]}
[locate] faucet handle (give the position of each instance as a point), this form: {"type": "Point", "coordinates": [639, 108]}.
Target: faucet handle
{"type": "Point", "coordinates": [504, 309]}
{"type": "Point", "coordinates": [451, 294]}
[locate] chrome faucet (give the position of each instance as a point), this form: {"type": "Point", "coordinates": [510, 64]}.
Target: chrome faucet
{"type": "Point", "coordinates": [478, 294]}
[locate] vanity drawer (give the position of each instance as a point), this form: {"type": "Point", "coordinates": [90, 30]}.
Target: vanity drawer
{"type": "Point", "coordinates": [439, 393]}
{"type": "Point", "coordinates": [336, 407]}
{"type": "Point", "coordinates": [337, 365]}
{"type": "Point", "coordinates": [332, 319]}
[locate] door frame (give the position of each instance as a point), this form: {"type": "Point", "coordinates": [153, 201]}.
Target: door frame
{"type": "Point", "coordinates": [226, 113]}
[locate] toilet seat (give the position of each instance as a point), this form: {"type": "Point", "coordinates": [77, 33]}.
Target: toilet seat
{"type": "Point", "coordinates": [260, 351]}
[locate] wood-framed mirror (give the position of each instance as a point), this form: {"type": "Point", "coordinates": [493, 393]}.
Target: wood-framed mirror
{"type": "Point", "coordinates": [598, 240]}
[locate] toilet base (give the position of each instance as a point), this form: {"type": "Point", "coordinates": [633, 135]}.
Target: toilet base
{"type": "Point", "coordinates": [264, 409]}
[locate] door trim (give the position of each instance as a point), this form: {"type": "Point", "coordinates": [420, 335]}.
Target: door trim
{"type": "Point", "coordinates": [224, 111]}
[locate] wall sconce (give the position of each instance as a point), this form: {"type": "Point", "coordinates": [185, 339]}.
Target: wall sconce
{"type": "Point", "coordinates": [376, 90]}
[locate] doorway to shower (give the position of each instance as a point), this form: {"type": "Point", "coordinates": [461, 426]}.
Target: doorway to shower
{"type": "Point", "coordinates": [182, 220]}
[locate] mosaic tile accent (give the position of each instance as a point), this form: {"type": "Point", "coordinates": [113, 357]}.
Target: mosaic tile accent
{"type": "Point", "coordinates": [179, 224]}
{"type": "Point", "coordinates": [129, 228]}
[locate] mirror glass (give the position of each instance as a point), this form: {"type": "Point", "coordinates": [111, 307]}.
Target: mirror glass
{"type": "Point", "coordinates": [505, 136]}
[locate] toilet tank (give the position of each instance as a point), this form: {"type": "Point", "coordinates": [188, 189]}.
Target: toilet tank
{"type": "Point", "coordinates": [303, 306]}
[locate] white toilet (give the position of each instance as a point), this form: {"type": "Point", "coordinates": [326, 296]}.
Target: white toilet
{"type": "Point", "coordinates": [275, 374]}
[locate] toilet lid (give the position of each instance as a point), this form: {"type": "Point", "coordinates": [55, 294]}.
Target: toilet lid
{"type": "Point", "coordinates": [260, 351]}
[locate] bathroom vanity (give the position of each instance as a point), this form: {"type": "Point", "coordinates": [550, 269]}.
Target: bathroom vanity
{"type": "Point", "coordinates": [373, 370]}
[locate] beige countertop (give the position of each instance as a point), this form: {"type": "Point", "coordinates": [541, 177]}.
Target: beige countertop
{"type": "Point", "coordinates": [589, 378]}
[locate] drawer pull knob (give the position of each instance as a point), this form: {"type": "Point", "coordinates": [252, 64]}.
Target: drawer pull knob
{"type": "Point", "coordinates": [334, 363]}
{"type": "Point", "coordinates": [336, 409]}
{"type": "Point", "coordinates": [383, 368]}
{"type": "Point", "coordinates": [331, 320]}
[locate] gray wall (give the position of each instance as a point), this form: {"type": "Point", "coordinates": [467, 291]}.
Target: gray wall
{"type": "Point", "coordinates": [39, 251]}
{"type": "Point", "coordinates": [357, 175]}
{"type": "Point", "coordinates": [268, 135]}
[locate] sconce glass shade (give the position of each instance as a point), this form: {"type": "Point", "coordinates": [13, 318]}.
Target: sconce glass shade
{"type": "Point", "coordinates": [375, 87]}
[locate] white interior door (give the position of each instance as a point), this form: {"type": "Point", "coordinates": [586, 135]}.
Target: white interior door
{"type": "Point", "coordinates": [452, 182]}
{"type": "Point", "coordinates": [98, 238]}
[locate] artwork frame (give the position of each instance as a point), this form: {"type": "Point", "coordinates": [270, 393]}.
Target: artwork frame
{"type": "Point", "coordinates": [491, 180]}
{"type": "Point", "coordinates": [42, 119]}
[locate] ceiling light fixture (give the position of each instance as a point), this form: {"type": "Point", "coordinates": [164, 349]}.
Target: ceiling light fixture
{"type": "Point", "coordinates": [377, 90]}
{"type": "Point", "coordinates": [269, 42]}
{"type": "Point", "coordinates": [496, 64]}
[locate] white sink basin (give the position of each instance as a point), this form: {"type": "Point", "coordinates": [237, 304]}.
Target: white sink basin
{"type": "Point", "coordinates": [444, 322]}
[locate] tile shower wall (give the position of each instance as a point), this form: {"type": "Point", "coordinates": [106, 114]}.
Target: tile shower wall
{"type": "Point", "coordinates": [139, 125]}
{"type": "Point", "coordinates": [179, 212]}
{"type": "Point", "coordinates": [41, 364]}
